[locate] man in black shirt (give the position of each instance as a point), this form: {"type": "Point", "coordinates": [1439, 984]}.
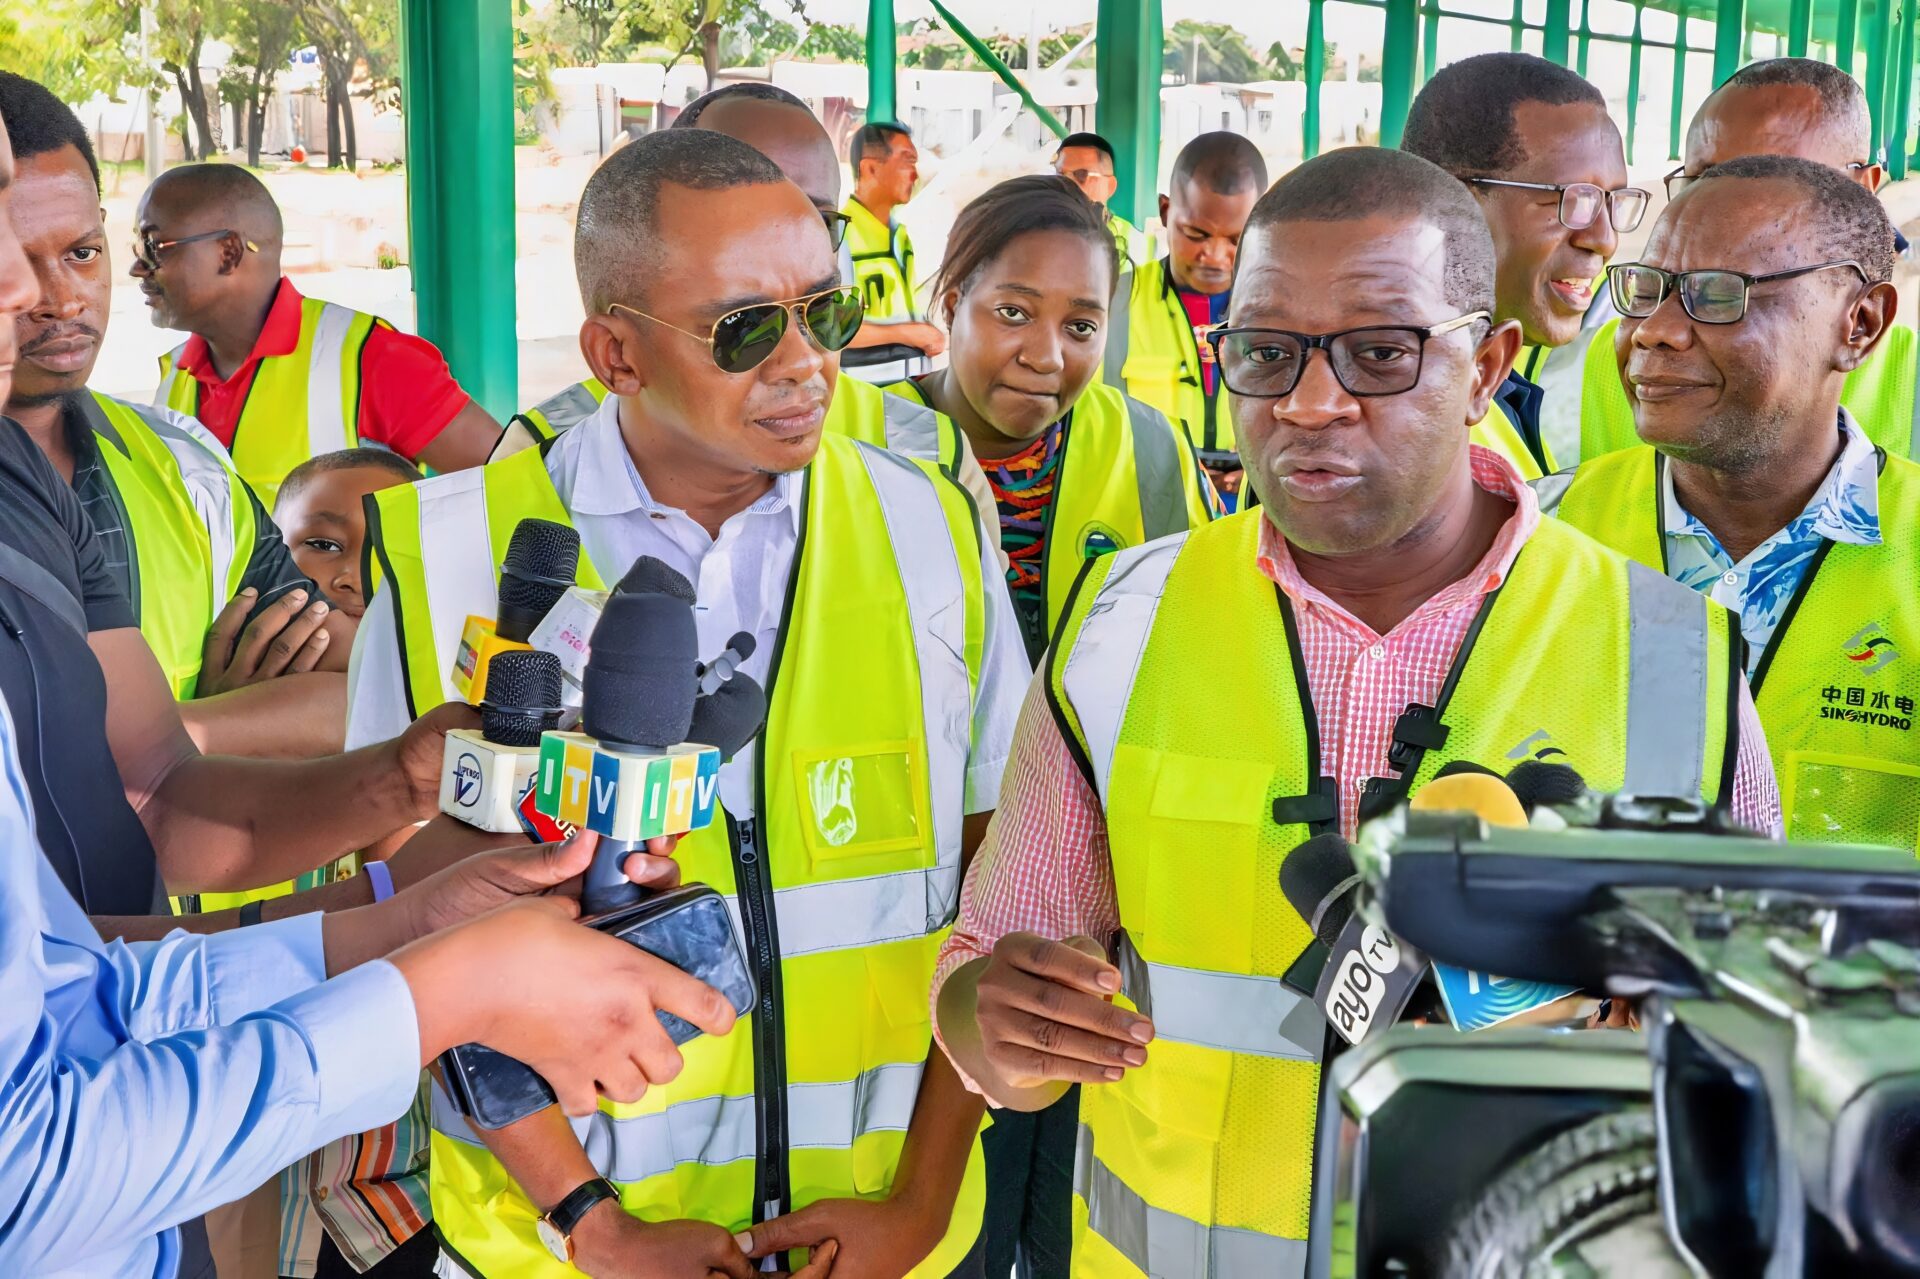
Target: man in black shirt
{"type": "Point", "coordinates": [162, 497]}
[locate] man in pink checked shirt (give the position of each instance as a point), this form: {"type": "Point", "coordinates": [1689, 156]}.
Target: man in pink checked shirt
{"type": "Point", "coordinates": [1394, 605]}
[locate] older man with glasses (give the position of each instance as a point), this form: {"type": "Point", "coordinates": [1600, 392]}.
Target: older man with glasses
{"type": "Point", "coordinates": [1783, 106]}
{"type": "Point", "coordinates": [1763, 290]}
{"type": "Point", "coordinates": [1535, 145]}
{"type": "Point", "coordinates": [1394, 606]}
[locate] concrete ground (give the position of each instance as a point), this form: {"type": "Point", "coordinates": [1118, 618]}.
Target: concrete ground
{"type": "Point", "coordinates": [342, 227]}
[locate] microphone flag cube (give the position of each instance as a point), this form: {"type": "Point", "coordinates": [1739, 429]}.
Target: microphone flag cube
{"type": "Point", "coordinates": [479, 643]}
{"type": "Point", "coordinates": [567, 631]}
{"type": "Point", "coordinates": [627, 795]}
{"type": "Point", "coordinates": [481, 782]}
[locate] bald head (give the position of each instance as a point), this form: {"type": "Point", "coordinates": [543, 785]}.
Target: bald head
{"type": "Point", "coordinates": [1785, 106]}
{"type": "Point", "coordinates": [228, 192]}
{"type": "Point", "coordinates": [1223, 163]}
{"type": "Point", "coordinates": [779, 126]}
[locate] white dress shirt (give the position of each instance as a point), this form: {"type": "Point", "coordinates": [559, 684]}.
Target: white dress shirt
{"type": "Point", "coordinates": [740, 579]}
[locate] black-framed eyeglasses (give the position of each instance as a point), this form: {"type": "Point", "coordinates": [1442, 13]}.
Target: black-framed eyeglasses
{"type": "Point", "coordinates": [1709, 296]}
{"type": "Point", "coordinates": [837, 224]}
{"type": "Point", "coordinates": [147, 250]}
{"type": "Point", "coordinates": [1378, 360]}
{"type": "Point", "coordinates": [1581, 202]}
{"type": "Point", "coordinates": [741, 340]}
{"type": "Point", "coordinates": [1679, 180]}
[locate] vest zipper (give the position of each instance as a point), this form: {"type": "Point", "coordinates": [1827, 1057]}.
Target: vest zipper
{"type": "Point", "coordinates": [1034, 629]}
{"type": "Point", "coordinates": [751, 883]}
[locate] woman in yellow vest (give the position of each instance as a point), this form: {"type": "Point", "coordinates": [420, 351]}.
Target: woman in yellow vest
{"type": "Point", "coordinates": [1025, 292]}
{"type": "Point", "coordinates": [1078, 470]}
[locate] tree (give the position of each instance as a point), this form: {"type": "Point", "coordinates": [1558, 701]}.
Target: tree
{"type": "Point", "coordinates": [263, 34]}
{"type": "Point", "coordinates": [346, 34]}
{"type": "Point", "coordinates": [75, 47]}
{"type": "Point", "coordinates": [833, 43]}
{"type": "Point", "coordinates": [181, 28]}
{"type": "Point", "coordinates": [1204, 51]}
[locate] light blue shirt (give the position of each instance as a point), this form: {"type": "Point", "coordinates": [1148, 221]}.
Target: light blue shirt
{"type": "Point", "coordinates": [142, 1084]}
{"type": "Point", "coordinates": [1761, 587]}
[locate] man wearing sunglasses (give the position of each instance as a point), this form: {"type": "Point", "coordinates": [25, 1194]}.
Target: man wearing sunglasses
{"type": "Point", "coordinates": [1535, 145]}
{"type": "Point", "coordinates": [1087, 160]}
{"type": "Point", "coordinates": [781, 127]}
{"type": "Point", "coordinates": [1783, 106]}
{"type": "Point", "coordinates": [275, 376]}
{"type": "Point", "coordinates": [1764, 288]}
{"type": "Point", "coordinates": [714, 316]}
{"type": "Point", "coordinates": [1394, 605]}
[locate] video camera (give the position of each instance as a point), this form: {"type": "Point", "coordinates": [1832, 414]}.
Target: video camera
{"type": "Point", "coordinates": [1767, 1124]}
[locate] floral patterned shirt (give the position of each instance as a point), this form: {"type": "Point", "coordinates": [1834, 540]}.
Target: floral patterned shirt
{"type": "Point", "coordinates": [1759, 589]}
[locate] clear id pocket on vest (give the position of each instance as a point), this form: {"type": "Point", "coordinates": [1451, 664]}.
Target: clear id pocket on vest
{"type": "Point", "coordinates": [1850, 799]}
{"type": "Point", "coordinates": [864, 804]}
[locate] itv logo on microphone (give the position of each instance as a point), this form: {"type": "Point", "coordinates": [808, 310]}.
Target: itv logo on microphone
{"type": "Point", "coordinates": [627, 795]}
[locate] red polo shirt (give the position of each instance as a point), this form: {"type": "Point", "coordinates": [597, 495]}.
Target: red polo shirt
{"type": "Point", "coordinates": [407, 393]}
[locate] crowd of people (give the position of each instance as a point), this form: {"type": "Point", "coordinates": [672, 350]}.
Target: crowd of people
{"type": "Point", "coordinates": [1088, 577]}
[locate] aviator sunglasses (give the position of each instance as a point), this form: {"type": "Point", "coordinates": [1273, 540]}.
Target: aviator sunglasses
{"type": "Point", "coordinates": [742, 339]}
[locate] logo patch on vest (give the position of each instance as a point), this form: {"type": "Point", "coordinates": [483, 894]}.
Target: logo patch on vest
{"type": "Point", "coordinates": [1098, 539]}
{"type": "Point", "coordinates": [1536, 745]}
{"type": "Point", "coordinates": [1870, 649]}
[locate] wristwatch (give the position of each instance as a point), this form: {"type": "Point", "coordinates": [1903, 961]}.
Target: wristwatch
{"type": "Point", "coordinates": [556, 1225]}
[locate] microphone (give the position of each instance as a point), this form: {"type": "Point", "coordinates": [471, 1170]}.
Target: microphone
{"type": "Point", "coordinates": [486, 775]}
{"type": "Point", "coordinates": [1538, 783]}
{"type": "Point", "coordinates": [1476, 1000]}
{"type": "Point", "coordinates": [542, 559]}
{"type": "Point", "coordinates": [716, 673]}
{"type": "Point", "coordinates": [632, 774]}
{"type": "Point", "coordinates": [1369, 975]}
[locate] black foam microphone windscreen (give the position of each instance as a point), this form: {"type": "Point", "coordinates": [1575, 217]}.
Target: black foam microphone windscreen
{"type": "Point", "coordinates": [523, 698]}
{"type": "Point", "coordinates": [1535, 782]}
{"type": "Point", "coordinates": [1319, 880]}
{"type": "Point", "coordinates": [650, 576]}
{"type": "Point", "coordinates": [1453, 768]}
{"type": "Point", "coordinates": [639, 685]}
{"type": "Point", "coordinates": [541, 562]}
{"type": "Point", "coordinates": [728, 717]}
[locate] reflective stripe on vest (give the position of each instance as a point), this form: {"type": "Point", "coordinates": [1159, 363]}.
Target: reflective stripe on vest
{"type": "Point", "coordinates": [187, 514]}
{"type": "Point", "coordinates": [1152, 355]}
{"type": "Point", "coordinates": [1234, 1012]}
{"type": "Point", "coordinates": [1214, 1136]}
{"type": "Point", "coordinates": [861, 803]}
{"type": "Point", "coordinates": [566, 409]}
{"type": "Point", "coordinates": [1166, 1245]}
{"type": "Point", "coordinates": [1837, 709]}
{"type": "Point", "coordinates": [1880, 394]}
{"type": "Point", "coordinates": [299, 405]}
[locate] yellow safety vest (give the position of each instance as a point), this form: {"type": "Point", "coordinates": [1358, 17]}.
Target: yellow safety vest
{"type": "Point", "coordinates": [1879, 394]}
{"type": "Point", "coordinates": [1497, 431]}
{"type": "Point", "coordinates": [300, 405]}
{"type": "Point", "coordinates": [882, 264]}
{"type": "Point", "coordinates": [851, 874]}
{"type": "Point", "coordinates": [1153, 356]}
{"type": "Point", "coordinates": [1199, 1164]}
{"type": "Point", "coordinates": [190, 528]}
{"type": "Point", "coordinates": [859, 411]}
{"type": "Point", "coordinates": [1135, 245]}
{"type": "Point", "coordinates": [1125, 476]}
{"type": "Point", "coordinates": [1839, 682]}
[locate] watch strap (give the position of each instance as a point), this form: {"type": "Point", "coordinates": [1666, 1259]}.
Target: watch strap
{"type": "Point", "coordinates": [566, 1214]}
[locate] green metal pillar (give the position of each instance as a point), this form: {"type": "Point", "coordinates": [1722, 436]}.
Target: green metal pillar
{"type": "Point", "coordinates": [1879, 52]}
{"type": "Point", "coordinates": [1557, 38]}
{"type": "Point", "coordinates": [1633, 78]}
{"type": "Point", "coordinates": [995, 64]}
{"type": "Point", "coordinates": [1729, 34]}
{"type": "Point", "coordinates": [1399, 62]}
{"type": "Point", "coordinates": [1516, 28]}
{"type": "Point", "coordinates": [1677, 112]}
{"type": "Point", "coordinates": [1429, 40]}
{"type": "Point", "coordinates": [882, 101]}
{"type": "Point", "coordinates": [1585, 42]}
{"type": "Point", "coordinates": [458, 106]}
{"type": "Point", "coordinates": [1127, 84]}
{"type": "Point", "coordinates": [1316, 71]}
{"type": "Point", "coordinates": [1897, 138]}
{"type": "Point", "coordinates": [1846, 34]}
{"type": "Point", "coordinates": [1799, 28]}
